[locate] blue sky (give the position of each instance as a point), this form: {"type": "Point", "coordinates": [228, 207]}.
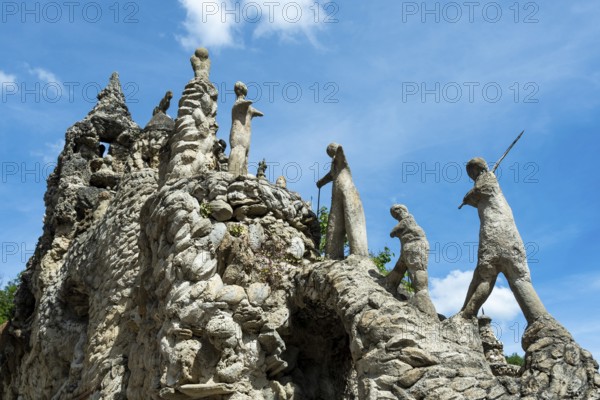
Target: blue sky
{"type": "Point", "coordinates": [411, 90]}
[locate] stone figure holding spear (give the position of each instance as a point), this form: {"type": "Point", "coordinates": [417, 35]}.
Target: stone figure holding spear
{"type": "Point", "coordinates": [501, 248]}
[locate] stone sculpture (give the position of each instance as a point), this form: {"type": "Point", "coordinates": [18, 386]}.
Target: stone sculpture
{"type": "Point", "coordinates": [201, 63]}
{"type": "Point", "coordinates": [191, 142]}
{"type": "Point", "coordinates": [164, 104]}
{"type": "Point", "coordinates": [501, 248]}
{"type": "Point", "coordinates": [262, 167]}
{"type": "Point", "coordinates": [241, 130]}
{"type": "Point", "coordinates": [221, 159]}
{"type": "Point", "coordinates": [201, 285]}
{"type": "Point", "coordinates": [413, 258]}
{"type": "Point", "coordinates": [346, 215]}
{"type": "Point", "coordinates": [281, 182]}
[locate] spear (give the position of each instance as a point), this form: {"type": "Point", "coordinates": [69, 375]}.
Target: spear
{"type": "Point", "coordinates": [506, 152]}
{"type": "Point", "coordinates": [318, 203]}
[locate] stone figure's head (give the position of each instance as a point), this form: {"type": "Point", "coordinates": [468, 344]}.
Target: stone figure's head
{"type": "Point", "coordinates": [281, 182]}
{"type": "Point", "coordinates": [475, 167]}
{"type": "Point", "coordinates": [169, 95]}
{"type": "Point", "coordinates": [399, 211]}
{"type": "Point", "coordinates": [201, 53]}
{"type": "Point", "coordinates": [240, 89]}
{"type": "Point", "coordinates": [332, 149]}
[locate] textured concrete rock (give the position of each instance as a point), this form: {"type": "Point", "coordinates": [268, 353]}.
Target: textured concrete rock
{"type": "Point", "coordinates": [500, 248]}
{"type": "Point", "coordinates": [414, 255]}
{"type": "Point", "coordinates": [142, 291]}
{"type": "Point", "coordinates": [346, 214]}
{"type": "Point", "coordinates": [241, 131]}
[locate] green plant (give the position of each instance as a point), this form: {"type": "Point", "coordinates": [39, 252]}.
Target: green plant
{"type": "Point", "coordinates": [236, 230]}
{"type": "Point", "coordinates": [515, 359]}
{"type": "Point", "coordinates": [323, 221]}
{"type": "Point", "coordinates": [7, 300]}
{"type": "Point", "coordinates": [381, 259]}
{"type": "Point", "coordinates": [205, 210]}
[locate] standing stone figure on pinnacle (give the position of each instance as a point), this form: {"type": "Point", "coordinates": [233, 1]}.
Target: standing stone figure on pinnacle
{"type": "Point", "coordinates": [501, 248]}
{"type": "Point", "coordinates": [241, 131]}
{"type": "Point", "coordinates": [346, 216]}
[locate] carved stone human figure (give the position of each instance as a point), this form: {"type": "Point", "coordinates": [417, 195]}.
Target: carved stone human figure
{"type": "Point", "coordinates": [346, 215]}
{"type": "Point", "coordinates": [501, 248]}
{"type": "Point", "coordinates": [241, 131]}
{"type": "Point", "coordinates": [413, 258]}
{"type": "Point", "coordinates": [164, 104]}
{"type": "Point", "coordinates": [262, 167]}
{"type": "Point", "coordinates": [221, 160]}
{"type": "Point", "coordinates": [201, 63]}
{"type": "Point", "coordinates": [281, 182]}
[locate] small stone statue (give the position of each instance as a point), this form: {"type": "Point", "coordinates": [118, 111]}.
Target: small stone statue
{"type": "Point", "coordinates": [241, 130]}
{"type": "Point", "coordinates": [164, 104]}
{"type": "Point", "coordinates": [201, 63]}
{"type": "Point", "coordinates": [413, 258]}
{"type": "Point", "coordinates": [281, 182]}
{"type": "Point", "coordinates": [262, 167]}
{"type": "Point", "coordinates": [221, 159]}
{"type": "Point", "coordinates": [500, 247]}
{"type": "Point", "coordinates": [346, 215]}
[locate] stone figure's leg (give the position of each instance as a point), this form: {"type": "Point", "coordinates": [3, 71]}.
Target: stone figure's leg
{"type": "Point", "coordinates": [519, 281]}
{"type": "Point", "coordinates": [421, 298]}
{"type": "Point", "coordinates": [395, 277]}
{"type": "Point", "coordinates": [244, 170]}
{"type": "Point", "coordinates": [336, 230]}
{"type": "Point", "coordinates": [418, 272]}
{"type": "Point", "coordinates": [482, 284]}
{"type": "Point", "coordinates": [356, 225]}
{"type": "Point", "coordinates": [236, 161]}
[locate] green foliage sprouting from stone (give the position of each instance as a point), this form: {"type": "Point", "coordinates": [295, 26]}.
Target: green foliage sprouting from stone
{"type": "Point", "coordinates": [205, 209]}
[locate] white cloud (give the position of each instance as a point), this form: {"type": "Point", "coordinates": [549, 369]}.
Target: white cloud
{"type": "Point", "coordinates": [217, 23]}
{"type": "Point", "coordinates": [42, 74]}
{"type": "Point", "coordinates": [448, 295]}
{"type": "Point", "coordinates": [207, 24]}
{"type": "Point", "coordinates": [294, 17]}
{"type": "Point", "coordinates": [6, 77]}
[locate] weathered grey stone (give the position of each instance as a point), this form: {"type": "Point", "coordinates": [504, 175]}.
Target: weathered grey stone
{"type": "Point", "coordinates": [500, 249]}
{"type": "Point", "coordinates": [413, 258]}
{"type": "Point", "coordinates": [220, 210]}
{"type": "Point", "coordinates": [164, 104]}
{"type": "Point", "coordinates": [346, 214]}
{"type": "Point", "coordinates": [239, 138]}
{"type": "Point", "coordinates": [258, 293]}
{"type": "Point", "coordinates": [134, 292]}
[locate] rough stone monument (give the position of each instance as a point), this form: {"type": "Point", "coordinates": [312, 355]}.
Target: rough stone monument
{"type": "Point", "coordinates": [241, 131]}
{"type": "Point", "coordinates": [414, 255]}
{"type": "Point", "coordinates": [500, 249]}
{"type": "Point", "coordinates": [182, 282]}
{"type": "Point", "coordinates": [262, 168]}
{"type": "Point", "coordinates": [164, 104]}
{"type": "Point", "coordinates": [346, 215]}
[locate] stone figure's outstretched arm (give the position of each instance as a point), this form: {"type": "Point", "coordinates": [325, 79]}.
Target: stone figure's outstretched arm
{"type": "Point", "coordinates": [324, 180]}
{"type": "Point", "coordinates": [255, 113]}
{"type": "Point", "coordinates": [469, 199]}
{"type": "Point", "coordinates": [396, 231]}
